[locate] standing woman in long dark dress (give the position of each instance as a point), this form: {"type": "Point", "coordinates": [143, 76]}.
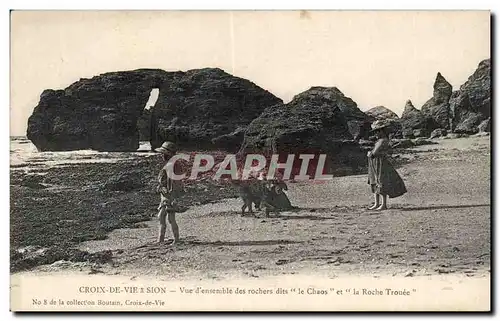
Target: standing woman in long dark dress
{"type": "Point", "coordinates": [384, 180]}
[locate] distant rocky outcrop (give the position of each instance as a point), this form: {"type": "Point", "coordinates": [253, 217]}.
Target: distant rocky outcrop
{"type": "Point", "coordinates": [415, 123]}
{"type": "Point", "coordinates": [471, 104]}
{"type": "Point", "coordinates": [382, 113]}
{"type": "Point", "coordinates": [462, 111]}
{"type": "Point", "coordinates": [211, 109]}
{"type": "Point", "coordinates": [106, 113]}
{"type": "Point", "coordinates": [315, 122]}
{"type": "Point", "coordinates": [438, 108]}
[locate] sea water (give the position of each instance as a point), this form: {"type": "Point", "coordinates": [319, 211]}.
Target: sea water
{"type": "Point", "coordinates": [23, 154]}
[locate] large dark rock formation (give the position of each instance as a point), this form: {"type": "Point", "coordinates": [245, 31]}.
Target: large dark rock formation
{"type": "Point", "coordinates": [438, 108]}
{"type": "Point", "coordinates": [358, 123]}
{"type": "Point", "coordinates": [415, 123]}
{"type": "Point", "coordinates": [471, 104]}
{"type": "Point", "coordinates": [210, 109]}
{"type": "Point", "coordinates": [231, 141]}
{"type": "Point", "coordinates": [144, 125]}
{"type": "Point", "coordinates": [99, 113]}
{"type": "Point", "coordinates": [106, 113]}
{"type": "Point", "coordinates": [315, 121]}
{"type": "Point", "coordinates": [203, 107]}
{"type": "Point", "coordinates": [462, 111]}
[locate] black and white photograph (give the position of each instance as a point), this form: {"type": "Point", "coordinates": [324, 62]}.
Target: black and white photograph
{"type": "Point", "coordinates": [239, 160]}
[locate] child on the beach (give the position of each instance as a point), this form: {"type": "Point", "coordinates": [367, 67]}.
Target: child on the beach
{"type": "Point", "coordinates": [170, 191]}
{"type": "Point", "coordinates": [382, 177]}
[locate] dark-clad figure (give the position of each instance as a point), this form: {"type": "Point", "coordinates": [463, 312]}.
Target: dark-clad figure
{"type": "Point", "coordinates": [170, 190]}
{"type": "Point", "coordinates": [382, 177]}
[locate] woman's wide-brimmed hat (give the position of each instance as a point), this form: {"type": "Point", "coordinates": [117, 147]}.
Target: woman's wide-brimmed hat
{"type": "Point", "coordinates": [379, 124]}
{"type": "Point", "coordinates": [167, 147]}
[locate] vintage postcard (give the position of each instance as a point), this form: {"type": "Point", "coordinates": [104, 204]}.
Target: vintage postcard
{"type": "Point", "coordinates": [250, 160]}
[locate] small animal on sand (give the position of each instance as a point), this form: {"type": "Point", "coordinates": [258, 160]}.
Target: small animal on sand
{"type": "Point", "coordinates": [273, 189]}
{"type": "Point", "coordinates": [263, 193]}
{"type": "Point", "coordinates": [251, 192]}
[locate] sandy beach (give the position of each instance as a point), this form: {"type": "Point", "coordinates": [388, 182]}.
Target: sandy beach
{"type": "Point", "coordinates": [384, 102]}
{"type": "Point", "coordinates": [441, 226]}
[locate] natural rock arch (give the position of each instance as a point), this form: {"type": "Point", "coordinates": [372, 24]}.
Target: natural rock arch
{"type": "Point", "coordinates": [202, 108]}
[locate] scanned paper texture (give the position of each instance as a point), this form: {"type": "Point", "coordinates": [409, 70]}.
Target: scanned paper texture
{"type": "Point", "coordinates": [250, 161]}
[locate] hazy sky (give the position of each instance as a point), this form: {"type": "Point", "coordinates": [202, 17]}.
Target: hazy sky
{"type": "Point", "coordinates": [376, 58]}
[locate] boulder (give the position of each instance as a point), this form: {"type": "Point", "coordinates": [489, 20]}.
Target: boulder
{"type": "Point", "coordinates": [485, 126]}
{"type": "Point", "coordinates": [401, 143]}
{"type": "Point", "coordinates": [382, 113]}
{"type": "Point", "coordinates": [455, 136]}
{"type": "Point", "coordinates": [419, 133]}
{"type": "Point", "coordinates": [422, 141]}
{"type": "Point", "coordinates": [469, 124]}
{"type": "Point", "coordinates": [471, 104]}
{"type": "Point", "coordinates": [313, 122]}
{"type": "Point", "coordinates": [437, 107]}
{"type": "Point", "coordinates": [106, 112]}
{"type": "Point", "coordinates": [439, 132]}
{"type": "Point", "coordinates": [23, 260]}
{"type": "Point", "coordinates": [124, 182]}
{"type": "Point", "coordinates": [413, 119]}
